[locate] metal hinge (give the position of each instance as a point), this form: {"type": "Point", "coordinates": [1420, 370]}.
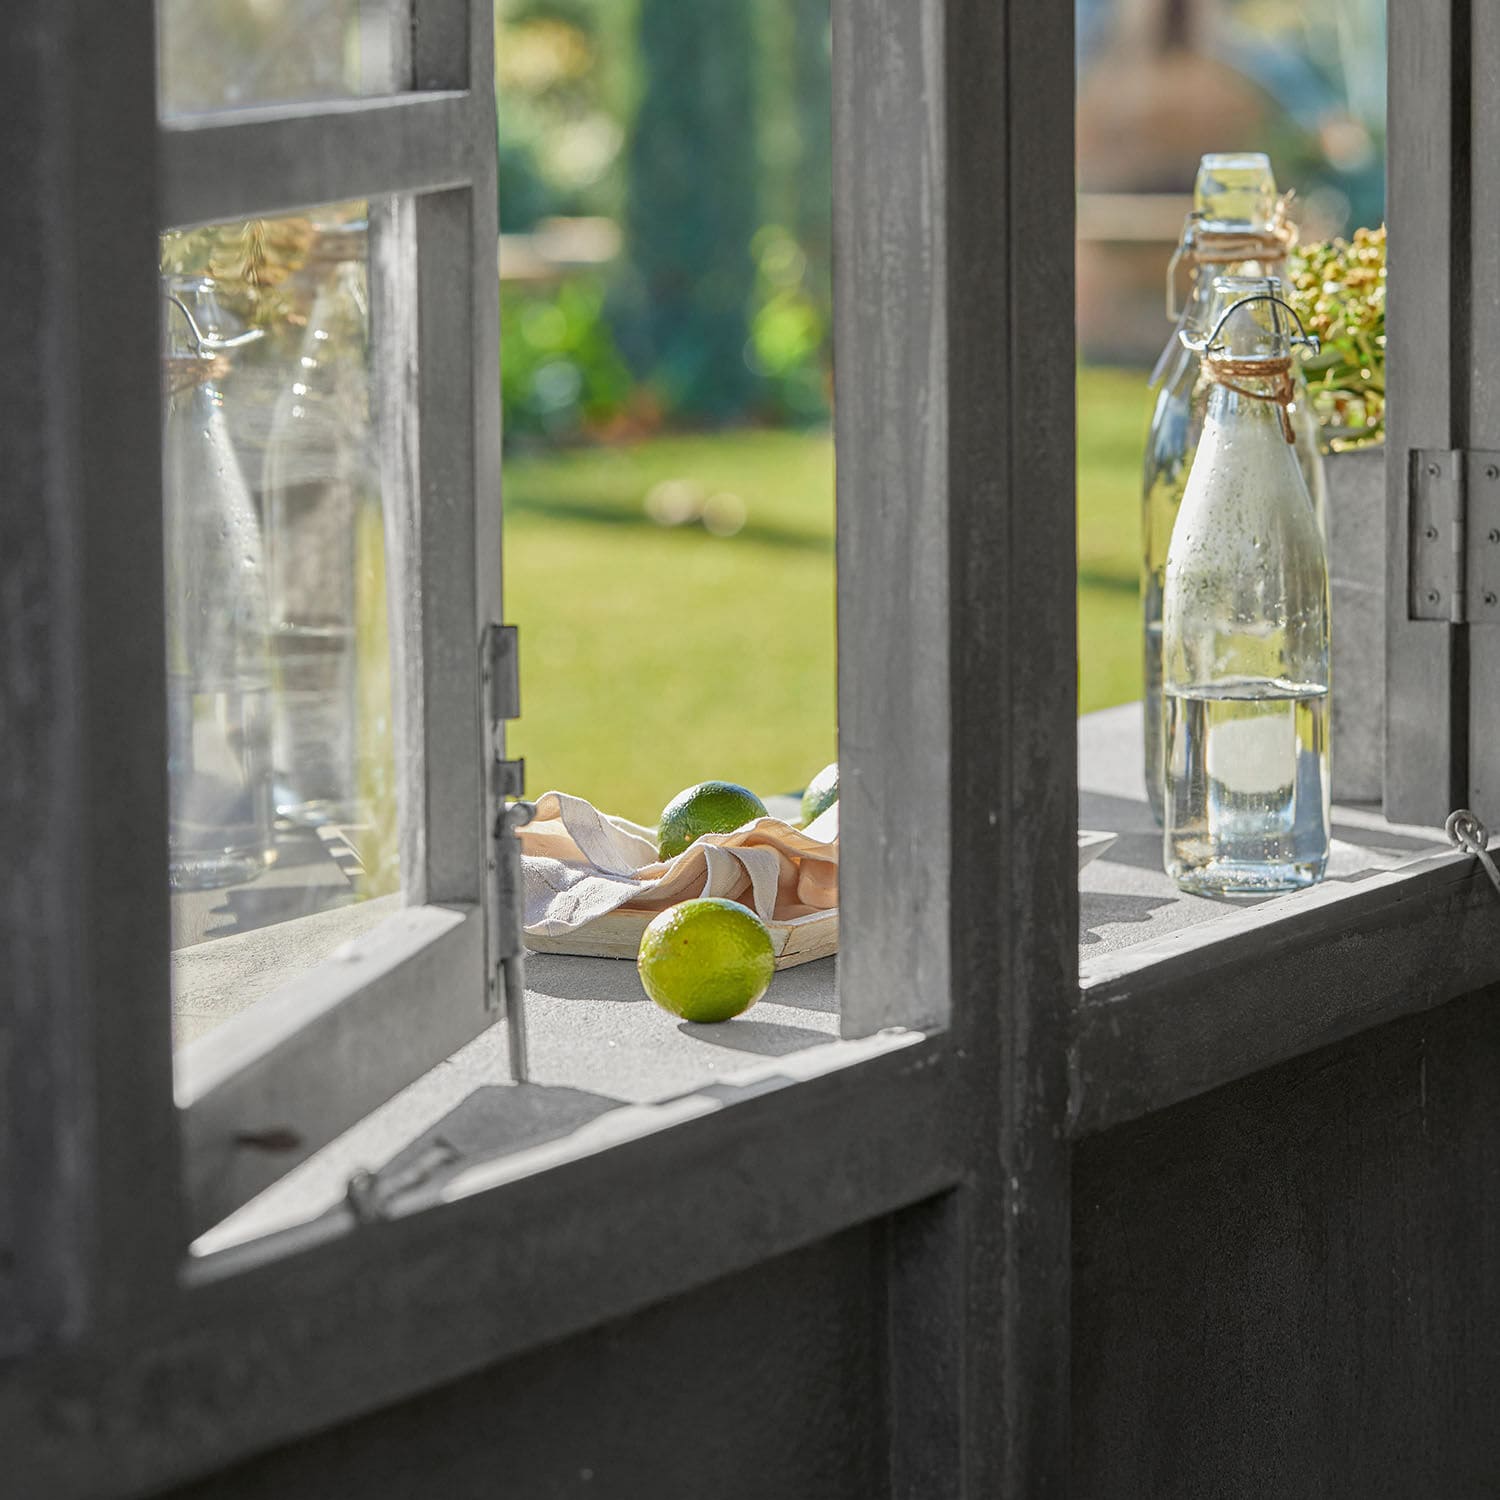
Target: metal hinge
{"type": "Point", "coordinates": [1455, 536]}
{"type": "Point", "coordinates": [505, 780]}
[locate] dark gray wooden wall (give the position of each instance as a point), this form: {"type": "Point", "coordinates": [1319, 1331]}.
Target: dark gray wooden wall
{"type": "Point", "coordinates": [1291, 1286]}
{"type": "Point", "coordinates": [1287, 1287]}
{"type": "Point", "coordinates": [763, 1386]}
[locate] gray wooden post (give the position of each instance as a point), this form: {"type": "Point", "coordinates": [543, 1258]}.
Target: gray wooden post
{"type": "Point", "coordinates": [1426, 751]}
{"type": "Point", "coordinates": [957, 703]}
{"type": "Point", "coordinates": [1479, 313]}
{"type": "Point", "coordinates": [88, 1169]}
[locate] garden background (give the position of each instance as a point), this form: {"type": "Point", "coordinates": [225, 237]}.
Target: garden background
{"type": "Point", "coordinates": [666, 346]}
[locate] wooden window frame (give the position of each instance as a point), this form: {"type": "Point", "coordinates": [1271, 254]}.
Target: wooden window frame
{"type": "Point", "coordinates": [954, 236]}
{"type": "Point", "coordinates": [341, 1038]}
{"type": "Point", "coordinates": [875, 1124]}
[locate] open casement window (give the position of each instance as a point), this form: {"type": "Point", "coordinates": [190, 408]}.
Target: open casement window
{"type": "Point", "coordinates": [351, 1002]}
{"type": "Point", "coordinates": [346, 1030]}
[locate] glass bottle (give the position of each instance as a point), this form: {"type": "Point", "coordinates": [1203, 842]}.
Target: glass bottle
{"type": "Point", "coordinates": [218, 670]}
{"type": "Point", "coordinates": [1236, 228]}
{"type": "Point", "coordinates": [317, 477]}
{"type": "Point", "coordinates": [1245, 625]}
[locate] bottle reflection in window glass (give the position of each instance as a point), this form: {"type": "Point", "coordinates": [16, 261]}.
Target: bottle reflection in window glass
{"type": "Point", "coordinates": [218, 673]}
{"type": "Point", "coordinates": [282, 746]}
{"type": "Point", "coordinates": [317, 481]}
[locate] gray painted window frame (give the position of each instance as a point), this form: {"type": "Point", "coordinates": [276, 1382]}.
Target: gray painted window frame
{"type": "Point", "coordinates": [956, 274]}
{"type": "Point", "coordinates": [1443, 714]}
{"type": "Point", "coordinates": [326, 1049]}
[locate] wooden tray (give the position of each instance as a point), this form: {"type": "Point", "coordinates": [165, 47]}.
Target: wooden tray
{"type": "Point", "coordinates": [618, 935]}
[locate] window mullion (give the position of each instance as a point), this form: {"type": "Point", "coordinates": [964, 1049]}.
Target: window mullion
{"type": "Point", "coordinates": [1481, 316]}
{"type": "Point", "coordinates": [1425, 771]}
{"type": "Point", "coordinates": [246, 163]}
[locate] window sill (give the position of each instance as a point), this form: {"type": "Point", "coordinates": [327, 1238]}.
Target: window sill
{"type": "Point", "coordinates": [600, 1211]}
{"type": "Point", "coordinates": [606, 1065]}
{"type": "Point", "coordinates": [1180, 994]}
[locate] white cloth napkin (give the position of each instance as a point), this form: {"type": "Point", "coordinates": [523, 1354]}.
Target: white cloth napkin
{"type": "Point", "coordinates": [580, 864]}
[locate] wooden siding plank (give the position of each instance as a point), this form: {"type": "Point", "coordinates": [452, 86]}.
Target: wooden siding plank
{"type": "Point", "coordinates": [1288, 1288]}
{"type": "Point", "coordinates": [1428, 185]}
{"type": "Point", "coordinates": [237, 164]}
{"type": "Point", "coordinates": [954, 249]}
{"type": "Point", "coordinates": [270, 1345]}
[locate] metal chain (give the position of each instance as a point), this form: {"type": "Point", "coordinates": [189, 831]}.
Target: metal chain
{"type": "Point", "coordinates": [1466, 832]}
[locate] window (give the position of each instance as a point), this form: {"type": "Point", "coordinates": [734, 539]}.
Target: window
{"type": "Point", "coordinates": [365, 485]}
{"type": "Point", "coordinates": [1198, 1005]}
{"type": "Point", "coordinates": [954, 229]}
{"type": "Point", "coordinates": [330, 704]}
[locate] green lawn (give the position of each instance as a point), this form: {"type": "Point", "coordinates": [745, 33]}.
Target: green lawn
{"type": "Point", "coordinates": [654, 656]}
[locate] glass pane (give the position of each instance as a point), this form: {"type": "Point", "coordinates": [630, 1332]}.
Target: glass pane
{"type": "Point", "coordinates": [223, 54]}
{"type": "Point", "coordinates": [280, 738]}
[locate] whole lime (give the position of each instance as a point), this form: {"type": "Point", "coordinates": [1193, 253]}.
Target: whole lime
{"type": "Point", "coordinates": [709, 807]}
{"type": "Point", "coordinates": [822, 792]}
{"type": "Point", "coordinates": [706, 960]}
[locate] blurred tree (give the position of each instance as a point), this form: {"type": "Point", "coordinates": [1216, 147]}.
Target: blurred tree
{"type": "Point", "coordinates": [692, 206]}
{"type": "Point", "coordinates": [812, 84]}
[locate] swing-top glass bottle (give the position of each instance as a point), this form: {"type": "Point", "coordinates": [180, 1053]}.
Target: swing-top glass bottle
{"type": "Point", "coordinates": [1236, 229]}
{"type": "Point", "coordinates": [1245, 626]}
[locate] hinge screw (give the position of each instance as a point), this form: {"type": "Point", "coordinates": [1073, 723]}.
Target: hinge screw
{"type": "Point", "coordinates": [1431, 533]}
{"type": "Point", "coordinates": [1489, 600]}
{"type": "Point", "coordinates": [1433, 471]}
{"type": "Point", "coordinates": [1491, 471]}
{"type": "Point", "coordinates": [1433, 596]}
{"type": "Point", "coordinates": [1495, 533]}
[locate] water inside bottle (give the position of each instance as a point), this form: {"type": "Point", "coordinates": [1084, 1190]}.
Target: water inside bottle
{"type": "Point", "coordinates": [313, 726]}
{"type": "Point", "coordinates": [1247, 785]}
{"type": "Point", "coordinates": [219, 758]}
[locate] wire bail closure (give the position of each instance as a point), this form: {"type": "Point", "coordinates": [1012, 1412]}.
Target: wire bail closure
{"type": "Point", "coordinates": [1226, 370]}
{"type": "Point", "coordinates": [208, 345]}
{"type": "Point", "coordinates": [1209, 247]}
{"type": "Point", "coordinates": [209, 360]}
